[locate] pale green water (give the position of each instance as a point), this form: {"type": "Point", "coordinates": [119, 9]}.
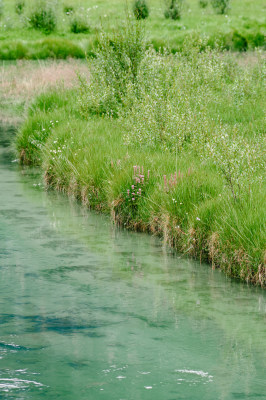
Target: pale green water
{"type": "Point", "coordinates": [88, 311]}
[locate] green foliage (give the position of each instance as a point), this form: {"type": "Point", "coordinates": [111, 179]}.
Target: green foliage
{"type": "Point", "coordinates": [32, 137]}
{"type": "Point", "coordinates": [68, 9]}
{"type": "Point", "coordinates": [173, 9]}
{"type": "Point", "coordinates": [58, 48]}
{"type": "Point", "coordinates": [239, 161]}
{"type": "Point", "coordinates": [79, 24]}
{"type": "Point", "coordinates": [239, 42]}
{"type": "Point", "coordinates": [41, 49]}
{"type": "Point", "coordinates": [171, 113]}
{"type": "Point", "coordinates": [19, 7]}
{"type": "Point", "coordinates": [114, 71]}
{"type": "Point", "coordinates": [43, 17]}
{"type": "Point", "coordinates": [220, 6]}
{"type": "Point", "coordinates": [1, 8]}
{"type": "Point", "coordinates": [203, 3]}
{"type": "Point", "coordinates": [53, 100]}
{"type": "Point", "coordinates": [140, 9]}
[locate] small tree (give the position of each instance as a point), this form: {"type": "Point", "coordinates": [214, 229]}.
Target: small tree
{"type": "Point", "coordinates": [220, 6]}
{"type": "Point", "coordinates": [140, 9]}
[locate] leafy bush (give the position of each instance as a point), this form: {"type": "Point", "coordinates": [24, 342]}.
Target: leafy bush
{"type": "Point", "coordinates": [203, 3]}
{"type": "Point", "coordinates": [177, 98]}
{"type": "Point", "coordinates": [237, 160]}
{"type": "Point", "coordinates": [173, 9]}
{"type": "Point", "coordinates": [57, 48]}
{"type": "Point", "coordinates": [41, 49]}
{"type": "Point", "coordinates": [1, 8]}
{"type": "Point", "coordinates": [43, 17]}
{"type": "Point", "coordinates": [140, 9]}
{"type": "Point", "coordinates": [19, 7]}
{"type": "Point", "coordinates": [114, 72]}
{"type": "Point", "coordinates": [169, 112]}
{"type": "Point", "coordinates": [220, 6]}
{"type": "Point", "coordinates": [79, 24]}
{"type": "Point", "coordinates": [68, 10]}
{"type": "Point", "coordinates": [239, 42]}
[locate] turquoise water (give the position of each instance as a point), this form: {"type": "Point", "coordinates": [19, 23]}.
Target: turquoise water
{"type": "Point", "coordinates": [89, 311]}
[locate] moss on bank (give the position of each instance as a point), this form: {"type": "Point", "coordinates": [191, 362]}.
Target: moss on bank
{"type": "Point", "coordinates": [177, 197]}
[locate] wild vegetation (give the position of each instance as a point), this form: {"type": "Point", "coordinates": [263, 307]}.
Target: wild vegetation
{"type": "Point", "coordinates": [172, 144]}
{"type": "Point", "coordinates": [140, 9]}
{"type": "Point", "coordinates": [41, 29]}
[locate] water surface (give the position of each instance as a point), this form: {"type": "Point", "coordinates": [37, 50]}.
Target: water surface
{"type": "Point", "coordinates": [89, 311]}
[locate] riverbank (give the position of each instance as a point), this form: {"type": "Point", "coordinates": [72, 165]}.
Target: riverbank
{"type": "Point", "coordinates": [89, 310]}
{"type": "Point", "coordinates": [182, 192]}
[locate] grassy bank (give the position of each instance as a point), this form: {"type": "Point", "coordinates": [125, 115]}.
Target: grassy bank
{"type": "Point", "coordinates": [74, 26]}
{"type": "Point", "coordinates": [169, 144]}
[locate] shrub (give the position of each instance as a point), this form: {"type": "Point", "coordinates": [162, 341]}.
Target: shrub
{"type": "Point", "coordinates": [140, 9]}
{"type": "Point", "coordinates": [239, 42]}
{"type": "Point", "coordinates": [57, 48]}
{"type": "Point", "coordinates": [256, 39]}
{"type": "Point", "coordinates": [1, 8]}
{"type": "Point", "coordinates": [68, 10]}
{"type": "Point", "coordinates": [43, 18]}
{"type": "Point", "coordinates": [173, 9]}
{"type": "Point", "coordinates": [19, 7]}
{"type": "Point", "coordinates": [13, 50]}
{"type": "Point", "coordinates": [203, 3]}
{"type": "Point", "coordinates": [114, 71]}
{"type": "Point", "coordinates": [41, 49]}
{"type": "Point", "coordinates": [220, 6]}
{"type": "Point", "coordinates": [240, 162]}
{"type": "Point", "coordinates": [79, 24]}
{"type": "Point", "coordinates": [169, 112]}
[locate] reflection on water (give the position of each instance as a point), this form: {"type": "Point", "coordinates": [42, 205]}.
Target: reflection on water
{"type": "Point", "coordinates": [88, 311]}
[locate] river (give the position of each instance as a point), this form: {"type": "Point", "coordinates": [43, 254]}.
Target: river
{"type": "Point", "coordinates": [89, 311]}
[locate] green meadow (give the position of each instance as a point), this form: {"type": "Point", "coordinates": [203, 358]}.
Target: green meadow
{"type": "Point", "coordinates": [73, 27]}
{"type": "Point", "coordinates": [170, 144]}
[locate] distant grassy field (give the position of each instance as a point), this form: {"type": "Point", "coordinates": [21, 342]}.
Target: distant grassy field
{"type": "Point", "coordinates": [241, 29]}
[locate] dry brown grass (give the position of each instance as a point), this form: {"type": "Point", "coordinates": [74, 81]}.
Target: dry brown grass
{"type": "Point", "coordinates": [21, 81]}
